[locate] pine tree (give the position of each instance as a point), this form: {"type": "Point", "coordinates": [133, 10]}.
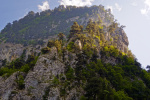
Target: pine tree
{"type": "Point", "coordinates": [75, 29]}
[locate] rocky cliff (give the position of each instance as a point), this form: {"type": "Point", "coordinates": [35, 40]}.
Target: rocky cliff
{"type": "Point", "coordinates": [21, 35]}
{"type": "Point", "coordinates": [92, 63]}
{"type": "Point", "coordinates": [56, 73]}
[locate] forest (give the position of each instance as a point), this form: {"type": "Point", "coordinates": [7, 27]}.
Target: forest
{"type": "Point", "coordinates": [122, 79]}
{"type": "Point", "coordinates": [34, 27]}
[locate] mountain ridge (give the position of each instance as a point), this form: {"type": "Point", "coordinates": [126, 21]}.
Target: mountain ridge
{"type": "Point", "coordinates": [11, 35]}
{"type": "Point", "coordinates": [40, 25]}
{"type": "Point", "coordinates": [93, 62]}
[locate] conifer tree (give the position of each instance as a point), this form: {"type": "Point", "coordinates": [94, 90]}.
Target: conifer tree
{"type": "Point", "coordinates": [75, 29]}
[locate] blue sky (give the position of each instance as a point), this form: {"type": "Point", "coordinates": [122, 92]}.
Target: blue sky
{"type": "Point", "coordinates": [134, 14]}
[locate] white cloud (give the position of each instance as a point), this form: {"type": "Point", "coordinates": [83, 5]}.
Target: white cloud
{"type": "Point", "coordinates": [44, 7]}
{"type": "Point", "coordinates": [146, 10]}
{"type": "Point", "coordinates": [118, 7]}
{"type": "Point", "coordinates": [110, 7]}
{"type": "Point", "coordinates": [77, 3]}
{"type": "Point", "coordinates": [134, 4]}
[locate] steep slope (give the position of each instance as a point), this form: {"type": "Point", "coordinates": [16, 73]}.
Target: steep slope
{"type": "Point", "coordinates": [93, 63]}
{"type": "Point", "coordinates": [36, 26]}
{"type": "Point", "coordinates": [87, 66]}
{"type": "Point", "coordinates": [32, 32]}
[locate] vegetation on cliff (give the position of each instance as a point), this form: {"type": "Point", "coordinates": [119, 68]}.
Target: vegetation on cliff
{"type": "Point", "coordinates": [98, 64]}
{"type": "Point", "coordinates": [121, 79]}
{"type": "Point", "coordinates": [35, 27]}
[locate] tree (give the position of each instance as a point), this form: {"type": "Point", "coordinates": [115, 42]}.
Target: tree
{"type": "Point", "coordinates": [89, 27]}
{"type": "Point", "coordinates": [75, 29]}
{"type": "Point", "coordinates": [31, 14]}
{"type": "Point", "coordinates": [51, 43]}
{"type": "Point", "coordinates": [102, 37]}
{"type": "Point", "coordinates": [81, 27]}
{"type": "Point", "coordinates": [129, 54]}
{"type": "Point", "coordinates": [113, 27]}
{"type": "Point", "coordinates": [92, 28]}
{"type": "Point", "coordinates": [122, 26]}
{"type": "Point", "coordinates": [61, 36]}
{"type": "Point", "coordinates": [82, 38]}
{"type": "Point", "coordinates": [148, 67]}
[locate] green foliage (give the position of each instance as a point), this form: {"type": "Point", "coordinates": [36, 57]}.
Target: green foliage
{"type": "Point", "coordinates": [45, 50]}
{"type": "Point", "coordinates": [70, 46]}
{"type": "Point", "coordinates": [6, 71]}
{"type": "Point", "coordinates": [102, 37]}
{"type": "Point", "coordinates": [83, 98]}
{"type": "Point", "coordinates": [120, 95]}
{"type": "Point", "coordinates": [70, 73]}
{"type": "Point", "coordinates": [51, 43]}
{"type": "Point", "coordinates": [55, 81]}
{"type": "Point", "coordinates": [14, 92]}
{"type": "Point", "coordinates": [25, 68]}
{"type": "Point", "coordinates": [92, 28]}
{"type": "Point", "coordinates": [61, 36]}
{"type": "Point", "coordinates": [106, 49]}
{"type": "Point", "coordinates": [20, 82]}
{"type": "Point", "coordinates": [87, 50]}
{"type": "Point", "coordinates": [18, 65]}
{"type": "Point", "coordinates": [102, 77]}
{"type": "Point", "coordinates": [36, 26]}
{"type": "Point", "coordinates": [75, 29]}
{"type": "Point", "coordinates": [123, 81]}
{"type": "Point", "coordinates": [111, 51]}
{"type": "Point", "coordinates": [4, 62]}
{"type": "Point", "coordinates": [45, 96]}
{"type": "Point", "coordinates": [62, 91]}
{"type": "Point", "coordinates": [58, 45]}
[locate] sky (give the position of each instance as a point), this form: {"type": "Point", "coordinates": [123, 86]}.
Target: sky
{"type": "Point", "coordinates": [134, 14]}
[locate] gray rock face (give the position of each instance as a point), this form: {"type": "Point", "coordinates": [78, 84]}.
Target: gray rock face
{"type": "Point", "coordinates": [10, 51]}
{"type": "Point", "coordinates": [42, 75]}
{"type": "Point", "coordinates": [78, 44]}
{"type": "Point", "coordinates": [8, 86]}
{"type": "Point", "coordinates": [121, 41]}
{"type": "Point", "coordinates": [37, 81]}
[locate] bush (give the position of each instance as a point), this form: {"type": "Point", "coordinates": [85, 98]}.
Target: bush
{"type": "Point", "coordinates": [55, 81]}
{"type": "Point", "coordinates": [20, 82]}
{"type": "Point", "coordinates": [70, 46]}
{"type": "Point", "coordinates": [51, 43]}
{"type": "Point", "coordinates": [6, 71]}
{"type": "Point", "coordinates": [83, 98]}
{"type": "Point", "coordinates": [45, 50]}
{"type": "Point", "coordinates": [70, 73]}
{"type": "Point", "coordinates": [58, 45]}
{"type": "Point", "coordinates": [25, 68]}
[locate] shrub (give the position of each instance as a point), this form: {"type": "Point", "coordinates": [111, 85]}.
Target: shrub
{"type": "Point", "coordinates": [45, 50]}
{"type": "Point", "coordinates": [70, 73]}
{"type": "Point", "coordinates": [25, 68]}
{"type": "Point", "coordinates": [6, 71]}
{"type": "Point", "coordinates": [20, 82]}
{"type": "Point", "coordinates": [58, 45]}
{"type": "Point", "coordinates": [83, 98]}
{"type": "Point", "coordinates": [55, 81]}
{"type": "Point", "coordinates": [70, 46]}
{"type": "Point", "coordinates": [51, 43]}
